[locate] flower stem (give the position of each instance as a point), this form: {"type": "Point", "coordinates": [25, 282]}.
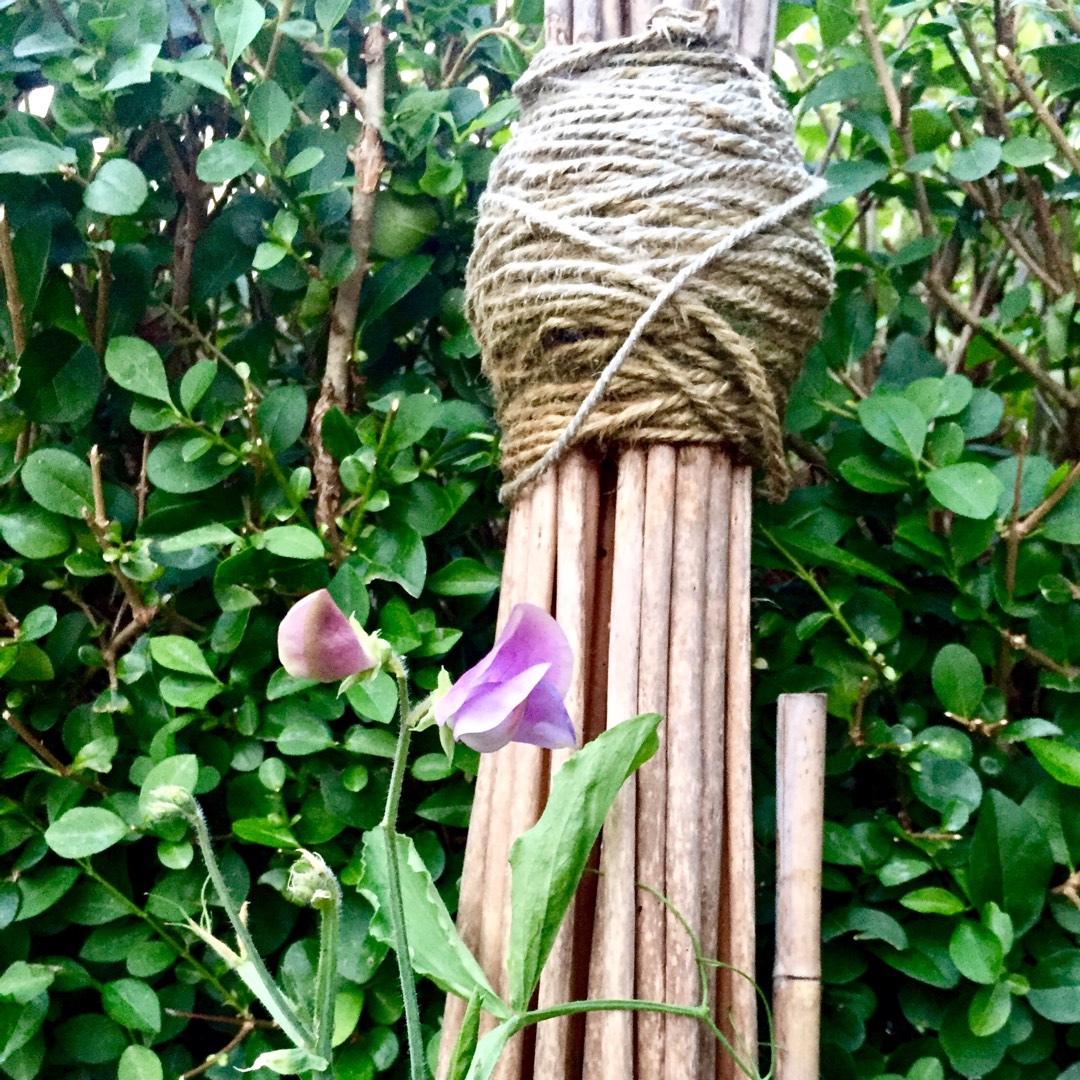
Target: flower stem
{"type": "Point", "coordinates": [417, 1067]}
{"type": "Point", "coordinates": [326, 971]}
{"type": "Point", "coordinates": [281, 1008]}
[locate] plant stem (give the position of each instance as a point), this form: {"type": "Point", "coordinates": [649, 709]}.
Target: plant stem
{"type": "Point", "coordinates": [417, 1069]}
{"type": "Point", "coordinates": [326, 971]}
{"type": "Point", "coordinates": [281, 1007]}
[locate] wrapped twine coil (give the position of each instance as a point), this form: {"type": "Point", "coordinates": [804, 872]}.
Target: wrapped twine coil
{"type": "Point", "coordinates": [645, 269]}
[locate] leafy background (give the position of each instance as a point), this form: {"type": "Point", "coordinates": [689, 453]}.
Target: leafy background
{"type": "Point", "coordinates": [177, 182]}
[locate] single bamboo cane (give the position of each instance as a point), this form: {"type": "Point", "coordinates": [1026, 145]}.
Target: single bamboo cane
{"type": "Point", "coordinates": [686, 662]}
{"type": "Point", "coordinates": [579, 500]}
{"type": "Point", "coordinates": [714, 695]}
{"type": "Point", "coordinates": [652, 778]}
{"type": "Point", "coordinates": [736, 996]}
{"type": "Point", "coordinates": [609, 1036]}
{"type": "Point", "coordinates": [800, 810]}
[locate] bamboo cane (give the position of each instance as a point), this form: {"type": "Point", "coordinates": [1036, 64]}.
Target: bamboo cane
{"type": "Point", "coordinates": [800, 809]}
{"type": "Point", "coordinates": [609, 1036]}
{"type": "Point", "coordinates": [713, 709]}
{"type": "Point", "coordinates": [686, 656]}
{"type": "Point", "coordinates": [579, 498]}
{"type": "Point", "coordinates": [652, 777]}
{"type": "Point", "coordinates": [737, 1000]}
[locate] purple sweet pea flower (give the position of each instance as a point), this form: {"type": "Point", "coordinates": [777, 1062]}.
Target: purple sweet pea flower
{"type": "Point", "coordinates": [316, 641]}
{"type": "Point", "coordinates": [515, 694]}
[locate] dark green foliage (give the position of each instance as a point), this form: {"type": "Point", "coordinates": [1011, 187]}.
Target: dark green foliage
{"type": "Point", "coordinates": [180, 225]}
{"type": "Point", "coordinates": [925, 574]}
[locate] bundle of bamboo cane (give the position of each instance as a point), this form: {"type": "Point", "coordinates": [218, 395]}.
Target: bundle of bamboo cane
{"type": "Point", "coordinates": [643, 555]}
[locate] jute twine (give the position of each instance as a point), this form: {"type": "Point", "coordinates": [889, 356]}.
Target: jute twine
{"type": "Point", "coordinates": [645, 269]}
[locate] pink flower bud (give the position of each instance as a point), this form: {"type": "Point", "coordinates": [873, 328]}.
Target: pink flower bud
{"type": "Point", "coordinates": [316, 641]}
{"type": "Point", "coordinates": [515, 694]}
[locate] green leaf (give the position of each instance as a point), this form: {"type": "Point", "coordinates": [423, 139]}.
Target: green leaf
{"type": "Point", "coordinates": [31, 157]}
{"type": "Point", "coordinates": [489, 1050]}
{"type": "Point", "coordinates": [168, 469]}
{"type": "Point", "coordinates": [225, 159]}
{"type": "Point", "coordinates": [291, 1062]}
{"type": "Point", "coordinates": [180, 770]}
{"type": "Point", "coordinates": [390, 284]}
{"type": "Point", "coordinates": [849, 178]}
{"type": "Point", "coordinates": [281, 416]}
{"type": "Point", "coordinates": [465, 1047]}
{"type": "Point", "coordinates": [270, 111]}
{"type": "Point", "coordinates": [132, 1004]}
{"type": "Point", "coordinates": [136, 366]}
{"type": "Point", "coordinates": [1009, 861]}
{"type": "Point", "coordinates": [196, 381]}
{"type": "Point", "coordinates": [134, 68]}
{"type": "Point", "coordinates": [974, 162]}
{"type": "Point", "coordinates": [1059, 759]}
{"type": "Point", "coordinates": [58, 481]}
{"type": "Point", "coordinates": [547, 861]}
{"type": "Point", "coordinates": [1061, 66]}
{"type": "Point", "coordinates": [398, 555]}
{"type": "Point", "coordinates": [976, 952]}
{"type": "Point", "coordinates": [895, 422]}
{"type": "Point", "coordinates": [22, 982]}
{"type": "Point", "coordinates": [35, 532]}
{"type": "Point", "coordinates": [933, 901]}
{"type": "Point", "coordinates": [329, 13]}
{"type": "Point", "coordinates": [1055, 987]}
{"type": "Point", "coordinates": [140, 1063]}
{"type": "Point", "coordinates": [118, 188]}
{"type": "Point", "coordinates": [85, 830]}
{"type": "Point", "coordinates": [828, 554]}
{"type": "Point", "coordinates": [179, 654]}
{"type": "Point", "coordinates": [435, 949]}
{"type": "Point", "coordinates": [238, 21]}
{"type": "Point", "coordinates": [957, 678]}
{"type": "Point", "coordinates": [304, 161]}
{"type": "Point", "coordinates": [990, 1009]}
{"type": "Point", "coordinates": [464, 577]}
{"type": "Point", "coordinates": [968, 489]}
{"type": "Point", "coordinates": [1022, 151]}
{"type": "Point", "coordinates": [294, 542]}
{"type": "Point", "coordinates": [864, 473]}
{"type": "Point", "coordinates": [204, 535]}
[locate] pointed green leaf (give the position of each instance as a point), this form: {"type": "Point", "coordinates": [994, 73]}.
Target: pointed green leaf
{"type": "Point", "coordinates": [238, 21]}
{"type": "Point", "coordinates": [136, 366]}
{"type": "Point", "coordinates": [85, 830]}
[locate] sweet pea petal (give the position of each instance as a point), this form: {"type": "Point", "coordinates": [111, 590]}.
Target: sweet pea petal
{"type": "Point", "coordinates": [545, 721]}
{"type": "Point", "coordinates": [488, 709]}
{"type": "Point", "coordinates": [532, 637]}
{"type": "Point", "coordinates": [315, 641]}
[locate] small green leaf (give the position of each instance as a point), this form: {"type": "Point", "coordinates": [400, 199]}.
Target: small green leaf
{"type": "Point", "coordinates": [865, 474]}
{"type": "Point", "coordinates": [196, 381]}
{"type": "Point", "coordinates": [136, 366]}
{"type": "Point", "coordinates": [968, 489]}
{"type": "Point", "coordinates": [933, 901]}
{"type": "Point", "coordinates": [957, 678]}
{"type": "Point", "coordinates": [974, 162]}
{"type": "Point", "coordinates": [464, 577]}
{"type": "Point", "coordinates": [1059, 759]}
{"type": "Point", "coordinates": [140, 1063]}
{"type": "Point", "coordinates": [976, 952]}
{"type": "Point", "coordinates": [179, 654]}
{"type": "Point", "coordinates": [119, 188]}
{"type": "Point", "coordinates": [132, 1004]}
{"type": "Point", "coordinates": [59, 481]}
{"type": "Point", "coordinates": [225, 160]}
{"type": "Point", "coordinates": [1022, 151]}
{"type": "Point", "coordinates": [294, 542]}
{"type": "Point", "coordinates": [85, 830]}
{"type": "Point", "coordinates": [895, 422]}
{"type": "Point", "coordinates": [31, 157]}
{"type": "Point", "coordinates": [270, 111]}
{"type": "Point", "coordinates": [306, 160]}
{"type": "Point", "coordinates": [238, 21]}
{"type": "Point", "coordinates": [990, 1009]}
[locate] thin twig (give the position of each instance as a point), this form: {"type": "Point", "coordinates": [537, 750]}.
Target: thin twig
{"type": "Point", "coordinates": [367, 158]}
{"type": "Point", "coordinates": [1068, 398]}
{"type": "Point", "coordinates": [275, 42]}
{"type": "Point", "coordinates": [246, 1028]}
{"type": "Point", "coordinates": [41, 751]}
{"type": "Point", "coordinates": [1045, 116]}
{"type": "Point", "coordinates": [101, 310]}
{"type": "Point", "coordinates": [11, 285]}
{"type": "Point", "coordinates": [470, 45]}
{"type": "Point", "coordinates": [352, 90]}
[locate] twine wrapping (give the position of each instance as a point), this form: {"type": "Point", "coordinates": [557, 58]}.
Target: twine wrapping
{"type": "Point", "coordinates": [645, 269]}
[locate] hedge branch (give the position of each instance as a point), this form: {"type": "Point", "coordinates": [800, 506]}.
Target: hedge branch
{"type": "Point", "coordinates": [11, 285]}
{"type": "Point", "coordinates": [367, 158]}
